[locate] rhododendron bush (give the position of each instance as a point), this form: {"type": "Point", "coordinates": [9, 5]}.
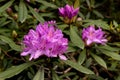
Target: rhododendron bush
{"type": "Point", "coordinates": [59, 40]}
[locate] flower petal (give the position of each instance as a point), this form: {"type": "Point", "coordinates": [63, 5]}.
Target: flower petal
{"type": "Point", "coordinates": [62, 57]}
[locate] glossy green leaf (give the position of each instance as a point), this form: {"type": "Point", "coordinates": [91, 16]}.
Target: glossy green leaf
{"type": "Point", "coordinates": [10, 42]}
{"type": "Point", "coordinates": [70, 49]}
{"type": "Point", "coordinates": [82, 57]}
{"type": "Point", "coordinates": [48, 4]}
{"type": "Point", "coordinates": [2, 79]}
{"type": "Point", "coordinates": [36, 15]}
{"type": "Point", "coordinates": [77, 3]}
{"type": "Point", "coordinates": [22, 12]}
{"type": "Point", "coordinates": [5, 6]}
{"type": "Point", "coordinates": [14, 70]}
{"type": "Point", "coordinates": [95, 77]}
{"type": "Point", "coordinates": [99, 60]}
{"type": "Point", "coordinates": [78, 67]}
{"type": "Point", "coordinates": [98, 23]}
{"type": "Point", "coordinates": [40, 74]}
{"type": "Point", "coordinates": [99, 4]}
{"type": "Point", "coordinates": [88, 15]}
{"type": "Point", "coordinates": [76, 77]}
{"type": "Point", "coordinates": [68, 74]}
{"type": "Point", "coordinates": [109, 48]}
{"type": "Point", "coordinates": [115, 23]}
{"type": "Point", "coordinates": [75, 38]}
{"type": "Point", "coordinates": [114, 55]}
{"type": "Point", "coordinates": [55, 76]}
{"type": "Point", "coordinates": [88, 3]}
{"type": "Point", "coordinates": [62, 27]}
{"type": "Point", "coordinates": [98, 14]}
{"type": "Point", "coordinates": [88, 62]}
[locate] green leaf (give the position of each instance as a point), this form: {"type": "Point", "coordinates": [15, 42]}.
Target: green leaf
{"type": "Point", "coordinates": [88, 3]}
{"type": "Point", "coordinates": [88, 62]}
{"type": "Point", "coordinates": [76, 3]}
{"type": "Point", "coordinates": [82, 57]}
{"type": "Point", "coordinates": [98, 23]}
{"type": "Point", "coordinates": [98, 14]}
{"type": "Point", "coordinates": [76, 77]}
{"type": "Point", "coordinates": [48, 4]}
{"type": "Point", "coordinates": [5, 6]}
{"type": "Point", "coordinates": [109, 48]}
{"type": "Point", "coordinates": [114, 55]}
{"type": "Point", "coordinates": [70, 49]}
{"type": "Point", "coordinates": [75, 38]}
{"type": "Point", "coordinates": [95, 77]}
{"type": "Point", "coordinates": [88, 15]}
{"type": "Point", "coordinates": [115, 23]}
{"type": "Point", "coordinates": [2, 79]}
{"type": "Point", "coordinates": [22, 12]}
{"type": "Point", "coordinates": [36, 15]}
{"type": "Point", "coordinates": [40, 74]}
{"type": "Point", "coordinates": [62, 26]}
{"type": "Point", "coordinates": [68, 74]}
{"type": "Point", "coordinates": [14, 70]}
{"type": "Point", "coordinates": [81, 15]}
{"type": "Point", "coordinates": [78, 67]}
{"type": "Point", "coordinates": [99, 60]}
{"type": "Point", "coordinates": [10, 42]}
{"type": "Point", "coordinates": [55, 76]}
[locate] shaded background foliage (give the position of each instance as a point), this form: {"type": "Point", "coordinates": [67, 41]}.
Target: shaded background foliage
{"type": "Point", "coordinates": [98, 62]}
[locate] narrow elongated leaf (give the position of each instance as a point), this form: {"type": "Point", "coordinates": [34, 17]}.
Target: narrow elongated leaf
{"type": "Point", "coordinates": [114, 55]}
{"type": "Point", "coordinates": [5, 6]}
{"type": "Point", "coordinates": [55, 76]}
{"type": "Point", "coordinates": [107, 47]}
{"type": "Point", "coordinates": [76, 5]}
{"type": "Point", "coordinates": [88, 3]}
{"type": "Point", "coordinates": [82, 57]}
{"type": "Point", "coordinates": [47, 4]}
{"type": "Point", "coordinates": [68, 74]}
{"type": "Point", "coordinates": [95, 77]}
{"type": "Point", "coordinates": [98, 14]}
{"type": "Point", "coordinates": [115, 23]}
{"type": "Point", "coordinates": [98, 23]}
{"type": "Point", "coordinates": [99, 60]}
{"type": "Point", "coordinates": [88, 15]}
{"type": "Point", "coordinates": [75, 38]}
{"type": "Point", "coordinates": [22, 11]}
{"type": "Point", "coordinates": [40, 74]}
{"type": "Point", "coordinates": [2, 79]}
{"type": "Point", "coordinates": [78, 67]}
{"type": "Point", "coordinates": [36, 15]}
{"type": "Point", "coordinates": [70, 49]}
{"type": "Point", "coordinates": [15, 70]}
{"type": "Point", "coordinates": [10, 42]}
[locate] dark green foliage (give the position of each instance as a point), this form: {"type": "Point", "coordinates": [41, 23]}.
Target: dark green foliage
{"type": "Point", "coordinates": [95, 62]}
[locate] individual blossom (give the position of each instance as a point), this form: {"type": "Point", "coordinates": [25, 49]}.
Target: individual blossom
{"type": "Point", "coordinates": [68, 11]}
{"type": "Point", "coordinates": [46, 40]}
{"type": "Point", "coordinates": [91, 35]}
{"type": "Point", "coordinates": [28, 0]}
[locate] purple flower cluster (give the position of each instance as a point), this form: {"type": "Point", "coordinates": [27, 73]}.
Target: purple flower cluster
{"type": "Point", "coordinates": [45, 40]}
{"type": "Point", "coordinates": [68, 11]}
{"type": "Point", "coordinates": [91, 35]}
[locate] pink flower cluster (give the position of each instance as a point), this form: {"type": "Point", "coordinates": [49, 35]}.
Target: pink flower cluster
{"type": "Point", "coordinates": [68, 11]}
{"type": "Point", "coordinates": [45, 40]}
{"type": "Point", "coordinates": [91, 35]}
